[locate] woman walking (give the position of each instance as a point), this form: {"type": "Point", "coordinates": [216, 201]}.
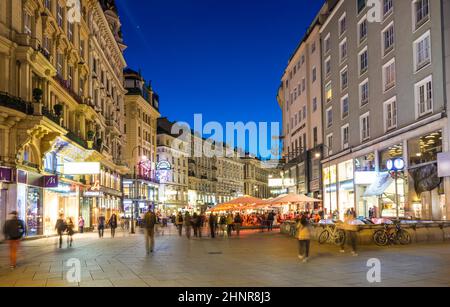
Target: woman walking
{"type": "Point", "coordinates": [304, 238]}
{"type": "Point", "coordinates": [113, 224]}
{"type": "Point", "coordinates": [81, 224]}
{"type": "Point", "coordinates": [70, 231]}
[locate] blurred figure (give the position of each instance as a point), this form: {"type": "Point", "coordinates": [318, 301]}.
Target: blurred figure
{"type": "Point", "coordinates": [81, 224]}
{"type": "Point", "coordinates": [61, 227]}
{"type": "Point", "coordinates": [13, 230]}
{"type": "Point", "coordinates": [270, 220]}
{"type": "Point", "coordinates": [212, 224]}
{"type": "Point", "coordinates": [195, 224]}
{"type": "Point", "coordinates": [351, 233]}
{"type": "Point", "coordinates": [188, 224]}
{"type": "Point", "coordinates": [149, 224]}
{"type": "Point", "coordinates": [101, 225]}
{"type": "Point", "coordinates": [179, 223]}
{"type": "Point", "coordinates": [238, 223]}
{"type": "Point", "coordinates": [113, 224]}
{"type": "Point", "coordinates": [70, 231]}
{"type": "Point", "coordinates": [304, 238]}
{"type": "Point", "coordinates": [200, 222]}
{"type": "Point", "coordinates": [223, 224]}
{"type": "Point", "coordinates": [230, 222]}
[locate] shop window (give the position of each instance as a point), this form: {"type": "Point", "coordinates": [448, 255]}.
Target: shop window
{"type": "Point", "coordinates": [365, 163]}
{"type": "Point", "coordinates": [425, 149]}
{"type": "Point", "coordinates": [392, 152]}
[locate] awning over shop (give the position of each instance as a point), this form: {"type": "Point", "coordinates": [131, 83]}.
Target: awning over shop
{"type": "Point", "coordinates": [381, 183]}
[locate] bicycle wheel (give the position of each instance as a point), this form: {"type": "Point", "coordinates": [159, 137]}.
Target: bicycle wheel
{"type": "Point", "coordinates": [324, 236]}
{"type": "Point", "coordinates": [339, 237]}
{"type": "Point", "coordinates": [380, 238]}
{"type": "Point", "coordinates": [404, 237]}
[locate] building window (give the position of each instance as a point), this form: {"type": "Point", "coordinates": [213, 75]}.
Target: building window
{"type": "Point", "coordinates": [303, 85]}
{"type": "Point", "coordinates": [421, 12]}
{"type": "Point", "coordinates": [342, 25]}
{"type": "Point", "coordinates": [48, 4]}
{"type": "Point", "coordinates": [70, 27]}
{"type": "Point", "coordinates": [313, 48]}
{"type": "Point", "coordinates": [422, 51]}
{"type": "Point", "coordinates": [424, 96]}
{"type": "Point", "coordinates": [345, 136]}
{"type": "Point", "coordinates": [345, 107]}
{"type": "Point", "coordinates": [329, 117]}
{"type": "Point", "coordinates": [343, 51]}
{"type": "Point", "coordinates": [387, 7]}
{"type": "Point", "coordinates": [388, 38]}
{"type": "Point", "coordinates": [59, 15]}
{"type": "Point", "coordinates": [330, 143]}
{"type": "Point", "coordinates": [314, 103]}
{"type": "Point", "coordinates": [362, 30]}
{"type": "Point", "coordinates": [46, 44]}
{"type": "Point", "coordinates": [315, 137]}
{"type": "Point", "coordinates": [390, 114]}
{"type": "Point", "coordinates": [60, 64]}
{"type": "Point", "coordinates": [304, 112]}
{"type": "Point", "coordinates": [361, 5]}
{"type": "Point", "coordinates": [26, 23]}
{"type": "Point", "coordinates": [70, 76]}
{"type": "Point", "coordinates": [363, 61]}
{"type": "Point", "coordinates": [389, 75]}
{"type": "Point", "coordinates": [314, 75]}
{"type": "Point", "coordinates": [344, 79]}
{"type": "Point", "coordinates": [327, 44]}
{"type": "Point", "coordinates": [364, 93]}
{"type": "Point", "coordinates": [328, 92]}
{"type": "Point", "coordinates": [328, 67]}
{"type": "Point", "coordinates": [364, 122]}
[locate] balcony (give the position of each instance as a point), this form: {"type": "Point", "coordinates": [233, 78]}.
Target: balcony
{"type": "Point", "coordinates": [66, 84]}
{"type": "Point", "coordinates": [51, 116]}
{"type": "Point", "coordinates": [16, 103]}
{"type": "Point", "coordinates": [75, 138]}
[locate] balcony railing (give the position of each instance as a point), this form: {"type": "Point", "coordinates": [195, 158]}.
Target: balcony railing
{"type": "Point", "coordinates": [68, 87]}
{"type": "Point", "coordinates": [72, 136]}
{"type": "Point", "coordinates": [16, 103]}
{"type": "Point", "coordinates": [53, 117]}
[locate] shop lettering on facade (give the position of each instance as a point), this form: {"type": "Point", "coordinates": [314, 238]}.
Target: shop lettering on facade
{"type": "Point", "coordinates": [50, 181]}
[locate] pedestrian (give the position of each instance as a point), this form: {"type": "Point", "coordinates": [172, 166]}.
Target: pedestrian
{"type": "Point", "coordinates": [195, 224]}
{"type": "Point", "coordinates": [304, 239]}
{"type": "Point", "coordinates": [149, 224]}
{"type": "Point", "coordinates": [61, 227]}
{"type": "Point", "coordinates": [238, 223]}
{"type": "Point", "coordinates": [188, 224]}
{"type": "Point", "coordinates": [351, 233]}
{"type": "Point", "coordinates": [270, 219]}
{"type": "Point", "coordinates": [13, 230]}
{"type": "Point", "coordinates": [200, 221]}
{"type": "Point", "coordinates": [212, 224]}
{"type": "Point", "coordinates": [70, 231]}
{"type": "Point", "coordinates": [101, 225]}
{"type": "Point", "coordinates": [113, 224]}
{"type": "Point", "coordinates": [230, 222]}
{"type": "Point", "coordinates": [179, 223]}
{"type": "Point", "coordinates": [81, 224]}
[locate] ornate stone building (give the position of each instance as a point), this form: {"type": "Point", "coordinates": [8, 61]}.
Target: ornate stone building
{"type": "Point", "coordinates": [61, 100]}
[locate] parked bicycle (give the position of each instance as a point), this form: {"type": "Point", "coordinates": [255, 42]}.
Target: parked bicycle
{"type": "Point", "coordinates": [395, 235]}
{"type": "Point", "coordinates": [332, 234]}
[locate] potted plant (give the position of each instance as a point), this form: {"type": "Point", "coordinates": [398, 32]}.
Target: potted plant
{"type": "Point", "coordinates": [37, 94]}
{"type": "Point", "coordinates": [58, 108]}
{"type": "Point", "coordinates": [90, 139]}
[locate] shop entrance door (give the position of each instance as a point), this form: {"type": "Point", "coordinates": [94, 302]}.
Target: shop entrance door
{"type": "Point", "coordinates": [431, 205]}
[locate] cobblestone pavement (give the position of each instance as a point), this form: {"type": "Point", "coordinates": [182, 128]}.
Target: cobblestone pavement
{"type": "Point", "coordinates": [254, 259]}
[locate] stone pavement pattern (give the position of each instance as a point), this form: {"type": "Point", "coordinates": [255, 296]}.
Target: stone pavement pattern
{"type": "Point", "coordinates": [255, 259]}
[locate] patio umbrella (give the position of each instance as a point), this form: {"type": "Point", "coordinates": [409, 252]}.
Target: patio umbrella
{"type": "Point", "coordinates": [293, 199]}
{"type": "Point", "coordinates": [238, 203]}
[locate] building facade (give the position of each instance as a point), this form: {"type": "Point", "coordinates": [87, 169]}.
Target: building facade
{"type": "Point", "coordinates": [385, 91]}
{"type": "Point", "coordinates": [61, 100]}
{"type": "Point", "coordinates": [171, 168]}
{"type": "Point", "coordinates": [300, 98]}
{"type": "Point", "coordinates": [256, 177]}
{"type": "Point", "coordinates": [141, 113]}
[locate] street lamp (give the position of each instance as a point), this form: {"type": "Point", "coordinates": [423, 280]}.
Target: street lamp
{"type": "Point", "coordinates": [136, 191]}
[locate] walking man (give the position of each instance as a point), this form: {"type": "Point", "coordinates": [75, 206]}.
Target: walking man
{"type": "Point", "coordinates": [113, 224]}
{"type": "Point", "coordinates": [60, 227]}
{"type": "Point", "coordinates": [188, 224]}
{"type": "Point", "coordinates": [81, 224]}
{"type": "Point", "coordinates": [149, 222]}
{"type": "Point", "coordinates": [238, 223]}
{"type": "Point", "coordinates": [14, 230]}
{"type": "Point", "coordinates": [179, 223]}
{"type": "Point", "coordinates": [101, 225]}
{"type": "Point", "coordinates": [270, 220]}
{"type": "Point", "coordinates": [212, 224]}
{"type": "Point", "coordinates": [351, 234]}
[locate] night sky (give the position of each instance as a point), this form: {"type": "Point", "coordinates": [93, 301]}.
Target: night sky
{"type": "Point", "coordinates": [221, 58]}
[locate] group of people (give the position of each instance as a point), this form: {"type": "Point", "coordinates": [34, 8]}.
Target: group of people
{"type": "Point", "coordinates": [304, 234]}
{"type": "Point", "coordinates": [195, 222]}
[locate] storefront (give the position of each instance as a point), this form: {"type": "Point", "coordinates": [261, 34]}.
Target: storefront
{"type": "Point", "coordinates": [330, 189]}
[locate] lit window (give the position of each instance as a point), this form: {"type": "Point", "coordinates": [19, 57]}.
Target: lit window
{"type": "Point", "coordinates": [424, 96]}
{"type": "Point", "coordinates": [389, 75]}
{"type": "Point", "coordinates": [328, 92]}
{"type": "Point", "coordinates": [422, 51]}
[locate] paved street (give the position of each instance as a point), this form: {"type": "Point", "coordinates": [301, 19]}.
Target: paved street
{"type": "Point", "coordinates": [255, 259]}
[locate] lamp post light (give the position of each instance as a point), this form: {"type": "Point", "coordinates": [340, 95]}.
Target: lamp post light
{"type": "Point", "coordinates": [136, 190]}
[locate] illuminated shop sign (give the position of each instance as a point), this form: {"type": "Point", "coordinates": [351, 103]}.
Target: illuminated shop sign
{"type": "Point", "coordinates": [81, 168]}
{"type": "Point", "coordinates": [163, 169]}
{"type": "Point", "coordinates": [93, 194]}
{"type": "Point", "coordinates": [50, 181]}
{"type": "Point", "coordinates": [396, 164]}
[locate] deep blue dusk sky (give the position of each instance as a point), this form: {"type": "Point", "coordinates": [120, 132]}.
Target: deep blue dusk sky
{"type": "Point", "coordinates": [221, 58]}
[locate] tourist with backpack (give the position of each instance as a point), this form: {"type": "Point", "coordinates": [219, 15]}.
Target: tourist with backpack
{"type": "Point", "coordinates": [150, 221]}
{"type": "Point", "coordinates": [14, 230]}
